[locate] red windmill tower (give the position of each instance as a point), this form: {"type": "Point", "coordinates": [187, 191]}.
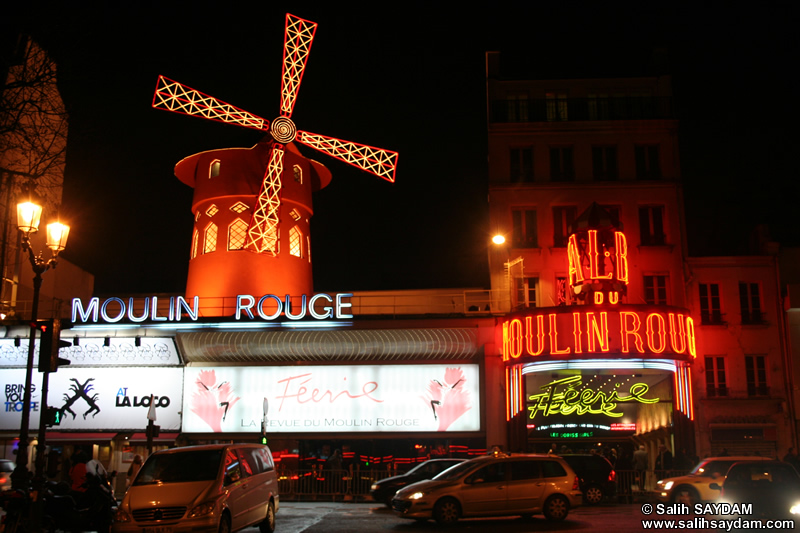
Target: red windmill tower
{"type": "Point", "coordinates": [257, 201]}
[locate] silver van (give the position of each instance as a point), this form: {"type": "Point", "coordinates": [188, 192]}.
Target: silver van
{"type": "Point", "coordinates": [221, 487]}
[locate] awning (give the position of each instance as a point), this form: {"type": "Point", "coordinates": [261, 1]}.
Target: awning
{"type": "Point", "coordinates": [141, 438]}
{"type": "Point", "coordinates": [55, 436]}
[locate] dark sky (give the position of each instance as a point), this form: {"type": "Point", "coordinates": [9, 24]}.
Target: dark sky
{"type": "Point", "coordinates": [411, 79]}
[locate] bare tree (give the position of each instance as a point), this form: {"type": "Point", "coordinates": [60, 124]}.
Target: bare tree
{"type": "Point", "coordinates": [33, 141]}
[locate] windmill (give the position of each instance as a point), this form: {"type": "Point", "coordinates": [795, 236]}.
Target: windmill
{"type": "Point", "coordinates": [263, 228]}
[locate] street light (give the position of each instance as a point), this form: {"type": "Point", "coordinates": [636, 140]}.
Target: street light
{"type": "Point", "coordinates": [509, 266]}
{"type": "Point", "coordinates": [29, 214]}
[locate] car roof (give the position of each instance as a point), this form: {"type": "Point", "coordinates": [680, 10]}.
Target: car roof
{"type": "Point", "coordinates": [737, 458]}
{"type": "Point", "coordinates": [202, 447]}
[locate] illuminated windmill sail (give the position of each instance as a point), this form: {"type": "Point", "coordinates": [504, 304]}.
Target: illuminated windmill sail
{"type": "Point", "coordinates": [262, 233]}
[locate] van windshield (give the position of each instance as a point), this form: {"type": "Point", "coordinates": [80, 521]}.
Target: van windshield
{"type": "Point", "coordinates": [199, 465]}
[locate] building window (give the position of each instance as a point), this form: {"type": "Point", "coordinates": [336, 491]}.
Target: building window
{"type": "Point", "coordinates": [563, 216]}
{"type": "Point", "coordinates": [750, 303]}
{"type": "Point", "coordinates": [648, 165]}
{"type": "Point", "coordinates": [524, 229]}
{"type": "Point", "coordinates": [521, 164]}
{"type": "Point", "coordinates": [651, 225]}
{"type": "Point", "coordinates": [715, 376]}
{"type": "Point", "coordinates": [598, 107]}
{"type": "Point", "coordinates": [294, 214]}
{"type": "Point", "coordinates": [710, 310]}
{"type": "Point", "coordinates": [239, 207]}
{"type": "Point", "coordinates": [756, 369]}
{"type": "Point", "coordinates": [556, 107]}
{"type": "Point", "coordinates": [195, 240]}
{"type": "Point", "coordinates": [561, 168]}
{"type": "Point", "coordinates": [517, 108]}
{"type": "Point", "coordinates": [298, 174]}
{"type": "Point", "coordinates": [212, 210]}
{"type": "Point", "coordinates": [526, 289]}
{"type": "Point", "coordinates": [655, 289]}
{"type": "Point", "coordinates": [213, 169]}
{"type": "Point", "coordinates": [210, 239]}
{"type": "Point", "coordinates": [295, 242]}
{"type": "Point", "coordinates": [237, 234]}
{"type": "Point", "coordinates": [604, 163]}
{"type": "Point", "coordinates": [562, 293]}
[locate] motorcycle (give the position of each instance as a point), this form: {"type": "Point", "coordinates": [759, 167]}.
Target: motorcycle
{"type": "Point", "coordinates": [68, 510]}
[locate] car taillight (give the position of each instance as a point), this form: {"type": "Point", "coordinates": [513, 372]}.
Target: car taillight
{"type": "Point", "coordinates": [575, 484]}
{"type": "Point", "coordinates": [612, 476]}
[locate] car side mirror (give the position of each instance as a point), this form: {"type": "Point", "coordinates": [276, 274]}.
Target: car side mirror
{"type": "Point", "coordinates": [715, 486]}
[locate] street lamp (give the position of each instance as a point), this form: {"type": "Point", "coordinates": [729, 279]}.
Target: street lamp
{"type": "Point", "coordinates": [29, 214]}
{"type": "Point", "coordinates": [509, 266]}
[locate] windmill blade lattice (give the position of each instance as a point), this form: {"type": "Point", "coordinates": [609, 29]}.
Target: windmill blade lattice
{"type": "Point", "coordinates": [262, 233]}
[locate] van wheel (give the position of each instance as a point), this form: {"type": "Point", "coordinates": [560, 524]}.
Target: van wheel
{"type": "Point", "coordinates": [268, 525]}
{"type": "Point", "coordinates": [593, 495]}
{"type": "Point", "coordinates": [556, 508]}
{"type": "Point", "coordinates": [447, 511]}
{"type": "Point", "coordinates": [225, 524]}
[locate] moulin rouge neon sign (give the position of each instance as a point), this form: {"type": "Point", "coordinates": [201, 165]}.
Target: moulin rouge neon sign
{"type": "Point", "coordinates": [562, 397]}
{"type": "Point", "coordinates": [268, 307]}
{"type": "Point", "coordinates": [625, 329]}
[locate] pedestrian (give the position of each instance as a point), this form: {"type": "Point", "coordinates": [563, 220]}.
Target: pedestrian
{"type": "Point", "coordinates": [640, 463]}
{"type": "Point", "coordinates": [133, 469]}
{"type": "Point", "coordinates": [663, 461]}
{"type": "Point", "coordinates": [77, 473]}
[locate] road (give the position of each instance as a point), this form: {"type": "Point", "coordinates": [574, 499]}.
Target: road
{"type": "Point", "coordinates": [327, 517]}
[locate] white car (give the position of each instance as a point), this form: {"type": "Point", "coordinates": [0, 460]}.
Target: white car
{"type": "Point", "coordinates": [694, 486]}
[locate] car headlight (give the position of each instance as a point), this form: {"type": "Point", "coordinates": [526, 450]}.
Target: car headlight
{"type": "Point", "coordinates": [202, 510]}
{"type": "Point", "coordinates": [122, 516]}
{"type": "Point", "coordinates": [374, 486]}
{"type": "Point", "coordinates": [668, 485]}
{"type": "Point", "coordinates": [417, 495]}
{"type": "Point", "coordinates": [795, 509]}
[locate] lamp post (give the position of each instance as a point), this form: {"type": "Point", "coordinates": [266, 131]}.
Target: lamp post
{"type": "Point", "coordinates": [508, 271]}
{"type": "Point", "coordinates": [29, 214]}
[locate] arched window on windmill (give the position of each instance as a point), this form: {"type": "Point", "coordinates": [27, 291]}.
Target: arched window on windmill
{"type": "Point", "coordinates": [195, 240]}
{"type": "Point", "coordinates": [298, 174]}
{"type": "Point", "coordinates": [295, 242]}
{"type": "Point", "coordinates": [213, 169]}
{"type": "Point", "coordinates": [210, 239]}
{"type": "Point", "coordinates": [237, 234]}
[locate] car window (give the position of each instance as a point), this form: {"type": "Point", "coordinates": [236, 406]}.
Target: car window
{"type": "Point", "coordinates": [491, 473]}
{"type": "Point", "coordinates": [456, 472]}
{"type": "Point", "coordinates": [756, 475]}
{"type": "Point", "coordinates": [249, 463]}
{"type": "Point", "coordinates": [6, 466]}
{"type": "Point", "coordinates": [199, 465]}
{"type": "Point", "coordinates": [552, 469]}
{"type": "Point", "coordinates": [256, 460]}
{"type": "Point", "coordinates": [233, 467]}
{"type": "Point", "coordinates": [525, 470]}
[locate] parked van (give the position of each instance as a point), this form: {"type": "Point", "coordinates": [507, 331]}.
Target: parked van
{"type": "Point", "coordinates": [221, 487]}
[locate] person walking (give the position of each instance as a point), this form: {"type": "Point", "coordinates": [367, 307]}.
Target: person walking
{"type": "Point", "coordinates": [133, 469]}
{"type": "Point", "coordinates": [640, 464]}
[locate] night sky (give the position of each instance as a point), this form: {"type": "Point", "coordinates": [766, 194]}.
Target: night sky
{"type": "Point", "coordinates": [409, 79]}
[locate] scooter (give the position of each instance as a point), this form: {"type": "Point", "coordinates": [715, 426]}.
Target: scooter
{"type": "Point", "coordinates": [69, 510]}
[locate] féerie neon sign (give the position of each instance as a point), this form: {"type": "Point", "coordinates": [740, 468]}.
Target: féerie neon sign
{"type": "Point", "coordinates": [268, 307]}
{"type": "Point", "coordinates": [562, 397]}
{"type": "Point", "coordinates": [625, 329]}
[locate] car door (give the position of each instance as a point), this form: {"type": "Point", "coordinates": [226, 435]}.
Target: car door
{"type": "Point", "coordinates": [235, 483]}
{"type": "Point", "coordinates": [526, 486]}
{"type": "Point", "coordinates": [485, 490]}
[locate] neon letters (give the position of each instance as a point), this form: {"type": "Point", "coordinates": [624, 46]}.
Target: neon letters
{"type": "Point", "coordinates": [623, 329]}
{"type": "Point", "coordinates": [562, 397]}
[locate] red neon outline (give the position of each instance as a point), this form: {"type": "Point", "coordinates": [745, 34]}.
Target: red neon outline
{"type": "Point", "coordinates": [515, 338]}
{"type": "Point", "coordinates": [625, 332]}
{"type": "Point", "coordinates": [297, 40]}
{"type": "Point", "coordinates": [621, 244]}
{"type": "Point", "coordinates": [598, 298]}
{"type": "Point", "coordinates": [690, 338]}
{"type": "Point", "coordinates": [675, 335]}
{"type": "Point", "coordinates": [662, 333]}
{"type": "Point", "coordinates": [574, 258]}
{"type": "Point", "coordinates": [554, 338]}
{"type": "Point", "coordinates": [594, 258]}
{"type": "Point", "coordinates": [505, 341]}
{"type": "Point", "coordinates": [613, 297]}
{"type": "Point", "coordinates": [539, 335]}
{"type": "Point", "coordinates": [576, 332]}
{"type": "Point", "coordinates": [597, 333]}
{"type": "Point", "coordinates": [377, 161]}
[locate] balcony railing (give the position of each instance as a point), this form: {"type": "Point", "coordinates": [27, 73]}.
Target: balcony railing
{"type": "Point", "coordinates": [581, 109]}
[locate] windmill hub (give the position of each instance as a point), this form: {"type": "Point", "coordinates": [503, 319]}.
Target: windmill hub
{"type": "Point", "coordinates": [283, 130]}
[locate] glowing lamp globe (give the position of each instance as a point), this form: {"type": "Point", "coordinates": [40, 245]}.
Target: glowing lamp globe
{"type": "Point", "coordinates": [29, 214]}
{"type": "Point", "coordinates": [498, 239]}
{"type": "Point", "coordinates": [57, 234]}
